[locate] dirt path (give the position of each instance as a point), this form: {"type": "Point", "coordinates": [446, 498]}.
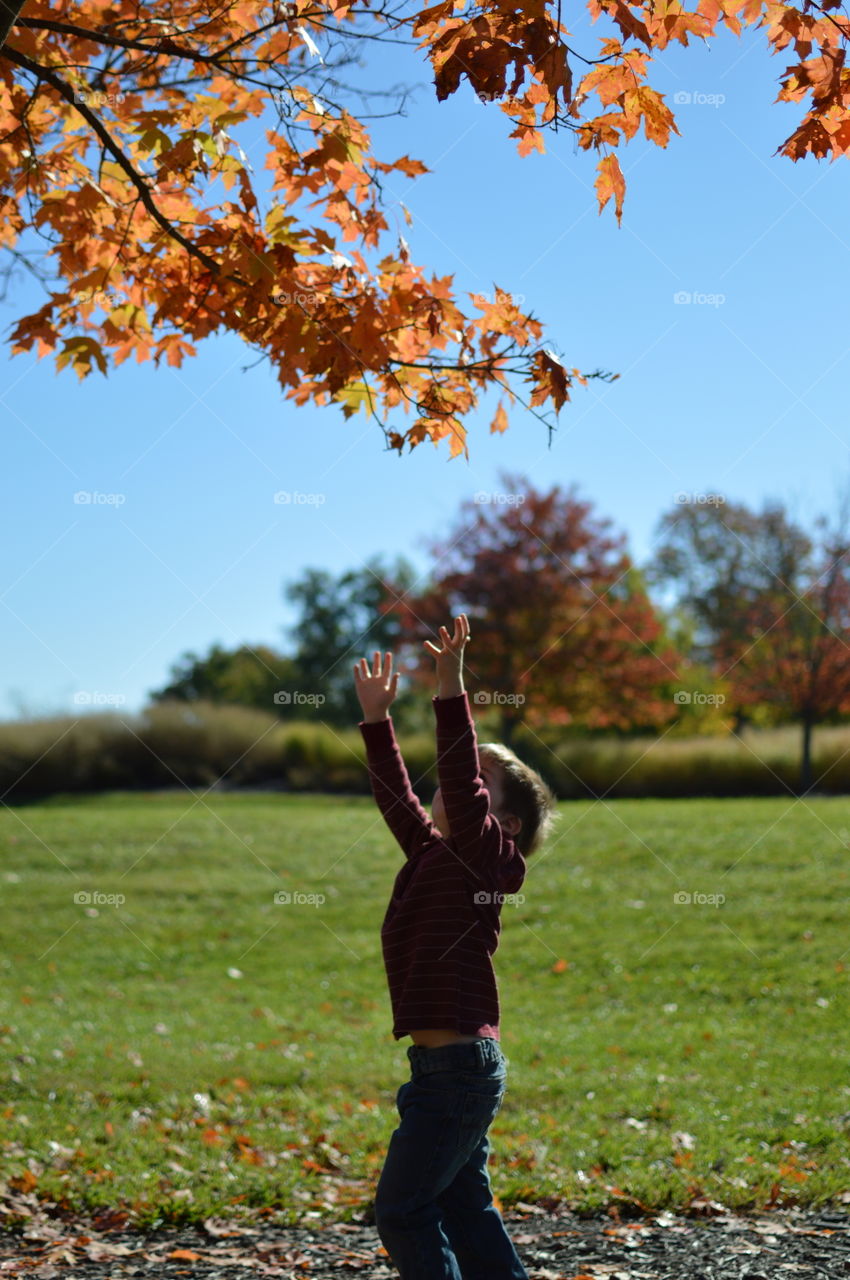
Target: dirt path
{"type": "Point", "coordinates": [553, 1246]}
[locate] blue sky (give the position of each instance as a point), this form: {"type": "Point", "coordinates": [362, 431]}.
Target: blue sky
{"type": "Point", "coordinates": [745, 397]}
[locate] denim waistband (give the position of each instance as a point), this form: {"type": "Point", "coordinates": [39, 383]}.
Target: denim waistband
{"type": "Point", "coordinates": [454, 1057]}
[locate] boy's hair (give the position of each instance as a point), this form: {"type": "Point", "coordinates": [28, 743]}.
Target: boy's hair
{"type": "Point", "coordinates": [525, 794]}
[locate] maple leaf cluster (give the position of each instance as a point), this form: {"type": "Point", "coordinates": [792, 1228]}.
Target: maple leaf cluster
{"type": "Point", "coordinates": [116, 119]}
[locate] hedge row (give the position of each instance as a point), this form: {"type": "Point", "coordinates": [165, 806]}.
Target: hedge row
{"type": "Point", "coordinates": [171, 745]}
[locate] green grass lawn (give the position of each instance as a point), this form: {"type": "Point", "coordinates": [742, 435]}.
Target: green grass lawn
{"type": "Point", "coordinates": [200, 1047]}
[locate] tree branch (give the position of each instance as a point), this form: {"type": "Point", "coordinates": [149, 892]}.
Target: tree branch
{"type": "Point", "coordinates": [44, 73]}
{"type": "Point", "coordinates": [9, 10]}
{"type": "Point", "coordinates": [164, 45]}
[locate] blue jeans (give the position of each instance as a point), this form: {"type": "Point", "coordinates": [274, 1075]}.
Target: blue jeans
{"type": "Point", "coordinates": [434, 1209]}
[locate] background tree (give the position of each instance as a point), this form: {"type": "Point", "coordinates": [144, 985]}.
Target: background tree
{"type": "Point", "coordinates": [721, 561]}
{"type": "Point", "coordinates": [248, 676]}
{"type": "Point", "coordinates": [563, 631]}
{"type": "Point", "coordinates": [113, 124]}
{"type": "Point", "coordinates": [797, 655]}
{"type": "Point", "coordinates": [341, 619]}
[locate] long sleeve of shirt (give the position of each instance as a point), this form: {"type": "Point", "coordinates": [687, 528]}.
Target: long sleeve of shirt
{"type": "Point", "coordinates": [403, 813]}
{"type": "Point", "coordinates": [475, 834]}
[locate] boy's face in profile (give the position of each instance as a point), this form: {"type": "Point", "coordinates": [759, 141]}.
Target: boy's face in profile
{"type": "Point", "coordinates": [492, 776]}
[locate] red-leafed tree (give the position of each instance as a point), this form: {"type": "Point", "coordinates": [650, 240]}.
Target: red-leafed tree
{"type": "Point", "coordinates": [797, 655]}
{"type": "Point", "coordinates": [115, 119]}
{"type": "Point", "coordinates": [562, 631]}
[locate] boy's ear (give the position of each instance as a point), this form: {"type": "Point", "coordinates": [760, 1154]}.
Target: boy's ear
{"type": "Point", "coordinates": [511, 825]}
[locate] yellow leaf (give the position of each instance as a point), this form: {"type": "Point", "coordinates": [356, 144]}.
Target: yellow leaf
{"type": "Point", "coordinates": [81, 352]}
{"type": "Point", "coordinates": [354, 397]}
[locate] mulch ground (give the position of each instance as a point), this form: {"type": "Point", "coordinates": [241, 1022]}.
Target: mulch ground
{"type": "Point", "coordinates": [554, 1245]}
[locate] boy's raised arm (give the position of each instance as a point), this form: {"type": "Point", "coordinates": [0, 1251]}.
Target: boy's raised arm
{"type": "Point", "coordinates": [403, 813]}
{"type": "Point", "coordinates": [465, 797]}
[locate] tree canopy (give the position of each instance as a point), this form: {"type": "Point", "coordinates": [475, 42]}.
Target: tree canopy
{"type": "Point", "coordinates": [564, 632]}
{"type": "Point", "coordinates": [116, 119]}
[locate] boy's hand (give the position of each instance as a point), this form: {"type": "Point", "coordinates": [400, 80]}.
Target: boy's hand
{"type": "Point", "coordinates": [450, 657]}
{"type": "Point", "coordinates": [375, 690]}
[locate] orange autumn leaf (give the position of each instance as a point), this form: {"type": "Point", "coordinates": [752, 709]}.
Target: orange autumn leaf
{"type": "Point", "coordinates": [25, 1181]}
{"type": "Point", "coordinates": [116, 136]}
{"type": "Point", "coordinates": [610, 182]}
{"type": "Point", "coordinates": [500, 419]}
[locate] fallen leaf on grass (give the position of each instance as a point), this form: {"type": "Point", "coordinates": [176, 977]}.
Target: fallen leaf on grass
{"type": "Point", "coordinates": [705, 1207]}
{"type": "Point", "coordinates": [106, 1219]}
{"type": "Point", "coordinates": [63, 1254]}
{"type": "Point", "coordinates": [219, 1227]}
{"type": "Point", "coordinates": [101, 1251]}
{"type": "Point", "coordinates": [24, 1182]}
{"type": "Point", "coordinates": [289, 1257]}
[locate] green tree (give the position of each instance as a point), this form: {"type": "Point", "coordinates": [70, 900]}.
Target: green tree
{"type": "Point", "coordinates": [340, 620]}
{"type": "Point", "coordinates": [248, 676]}
{"type": "Point", "coordinates": [721, 561]}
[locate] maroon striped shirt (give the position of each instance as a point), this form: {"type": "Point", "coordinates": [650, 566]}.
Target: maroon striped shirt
{"type": "Point", "coordinates": [438, 939]}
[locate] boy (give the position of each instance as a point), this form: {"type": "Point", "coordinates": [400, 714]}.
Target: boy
{"type": "Point", "coordinates": [433, 1207]}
